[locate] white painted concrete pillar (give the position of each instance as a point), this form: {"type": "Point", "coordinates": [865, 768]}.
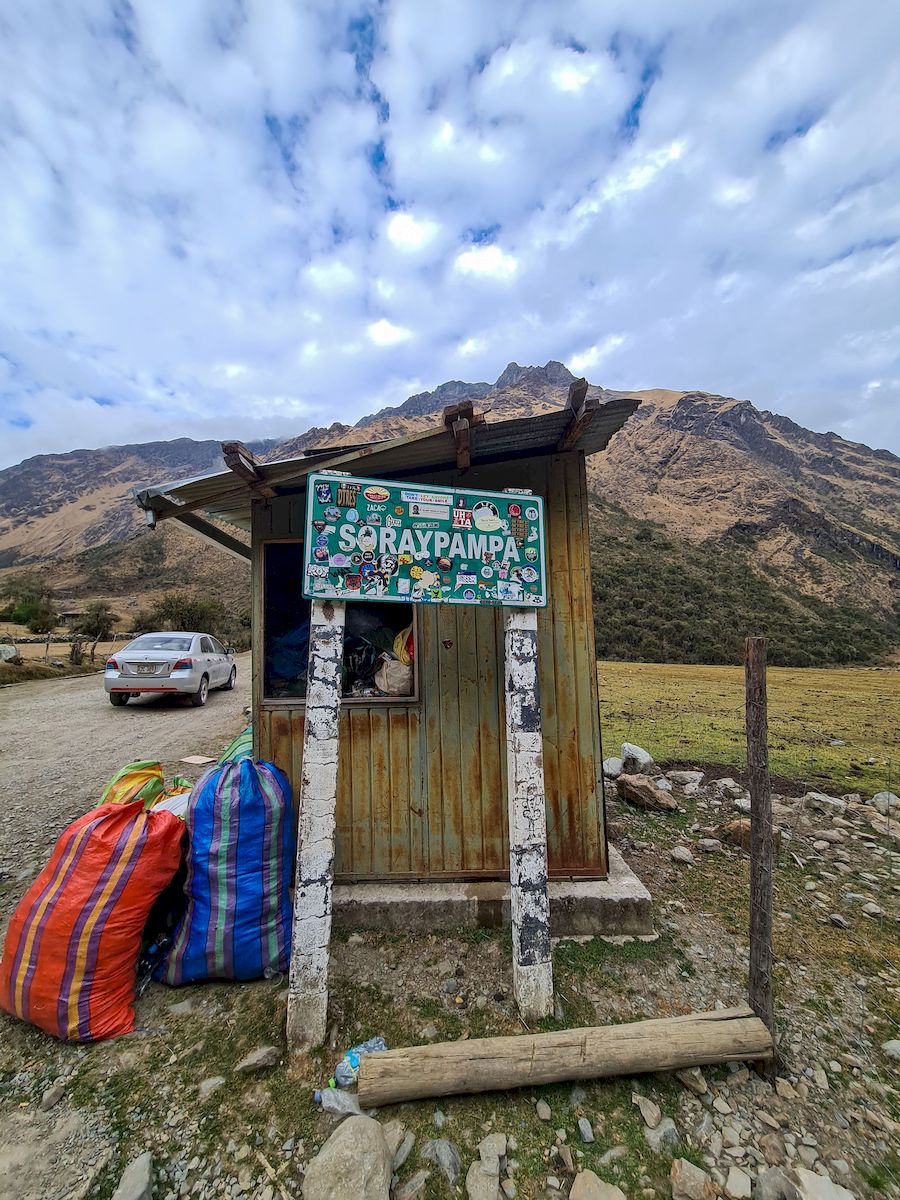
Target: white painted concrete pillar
{"type": "Point", "coordinates": [532, 960]}
{"type": "Point", "coordinates": [307, 1008]}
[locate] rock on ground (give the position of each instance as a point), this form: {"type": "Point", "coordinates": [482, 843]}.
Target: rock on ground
{"type": "Point", "coordinates": [259, 1059]}
{"type": "Point", "coordinates": [665, 1134]}
{"type": "Point", "coordinates": [809, 1185]}
{"type": "Point", "coordinates": [445, 1156]}
{"type": "Point", "coordinates": [690, 1183]}
{"type": "Point", "coordinates": [737, 1185]}
{"type": "Point", "coordinates": [588, 1186]}
{"type": "Point", "coordinates": [612, 767]}
{"type": "Point", "coordinates": [355, 1161]}
{"type": "Point", "coordinates": [643, 793]}
{"type": "Point", "coordinates": [637, 761]}
{"type": "Point", "coordinates": [483, 1180]}
{"type": "Point", "coordinates": [137, 1181]}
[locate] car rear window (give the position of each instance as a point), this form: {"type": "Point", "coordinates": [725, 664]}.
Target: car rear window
{"type": "Point", "coordinates": [160, 641]}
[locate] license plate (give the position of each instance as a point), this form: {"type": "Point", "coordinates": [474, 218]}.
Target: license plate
{"type": "Point", "coordinates": [146, 669]}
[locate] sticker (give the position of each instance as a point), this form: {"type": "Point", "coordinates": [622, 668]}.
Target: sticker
{"type": "Point", "coordinates": [529, 574]}
{"type": "Point", "coordinates": [332, 513]}
{"type": "Point", "coordinates": [469, 594]}
{"type": "Point", "coordinates": [404, 559]}
{"type": "Point", "coordinates": [320, 554]}
{"type": "Point", "coordinates": [403, 587]}
{"type": "Point", "coordinates": [367, 538]}
{"type": "Point", "coordinates": [340, 560]}
{"type": "Point", "coordinates": [387, 564]}
{"type": "Point", "coordinates": [393, 522]}
{"type": "Point", "coordinates": [426, 524]}
{"type": "Point", "coordinates": [488, 556]}
{"type": "Point", "coordinates": [324, 494]}
{"type": "Point", "coordinates": [379, 508]}
{"type": "Point", "coordinates": [518, 529]}
{"type": "Point", "coordinates": [317, 572]}
{"type": "Point", "coordinates": [508, 591]}
{"type": "Point", "coordinates": [353, 582]}
{"type": "Point", "coordinates": [351, 515]}
{"type": "Point", "coordinates": [487, 572]}
{"type": "Point", "coordinates": [515, 510]}
{"type": "Point", "coordinates": [466, 578]}
{"type": "Point", "coordinates": [321, 540]}
{"type": "Point", "coordinates": [486, 516]}
{"type": "Point", "coordinates": [367, 569]}
{"type": "Point", "coordinates": [531, 513]}
{"type": "Point", "coordinates": [347, 494]}
{"type": "Point", "coordinates": [373, 519]}
{"type": "Point", "coordinates": [462, 518]}
{"type": "Point", "coordinates": [319, 526]}
{"type": "Point", "coordinates": [445, 564]}
{"type": "Point", "coordinates": [428, 510]}
{"type": "Point", "coordinates": [531, 554]}
{"type": "Point", "coordinates": [376, 494]}
{"type": "Point", "coordinates": [416, 572]}
{"type": "Point", "coordinates": [399, 510]}
{"type": "Point", "coordinates": [368, 556]}
{"type": "Point", "coordinates": [440, 498]}
{"type": "Point", "coordinates": [356, 559]}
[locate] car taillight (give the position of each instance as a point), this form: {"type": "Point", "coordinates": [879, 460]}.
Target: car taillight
{"type": "Point", "coordinates": [112, 665]}
{"type": "Point", "coordinates": [183, 664]}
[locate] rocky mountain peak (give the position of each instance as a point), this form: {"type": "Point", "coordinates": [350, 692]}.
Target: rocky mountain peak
{"type": "Point", "coordinates": [553, 373]}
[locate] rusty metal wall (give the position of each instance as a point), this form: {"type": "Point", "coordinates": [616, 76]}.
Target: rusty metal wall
{"type": "Point", "coordinates": [422, 788]}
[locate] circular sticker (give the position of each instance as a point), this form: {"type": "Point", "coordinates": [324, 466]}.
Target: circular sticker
{"type": "Point", "coordinates": [398, 510]}
{"type": "Point", "coordinates": [529, 574]}
{"type": "Point", "coordinates": [416, 572]}
{"type": "Point", "coordinates": [332, 513]}
{"type": "Point", "coordinates": [531, 554]}
{"type": "Point", "coordinates": [486, 516]}
{"type": "Point", "coordinates": [339, 560]}
{"type": "Point", "coordinates": [445, 563]}
{"type": "Point", "coordinates": [469, 594]}
{"type": "Point", "coordinates": [367, 538]}
{"type": "Point", "coordinates": [356, 559]}
{"type": "Point", "coordinates": [487, 572]}
{"type": "Point", "coordinates": [387, 564]}
{"type": "Point", "coordinates": [515, 510]}
{"type": "Point", "coordinates": [531, 513]}
{"type": "Point", "coordinates": [367, 569]}
{"type": "Point", "coordinates": [351, 515]}
{"type": "Point", "coordinates": [321, 539]}
{"type": "Point", "coordinates": [368, 556]}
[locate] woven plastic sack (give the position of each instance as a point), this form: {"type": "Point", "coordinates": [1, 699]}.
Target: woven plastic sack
{"type": "Point", "coordinates": [138, 780]}
{"type": "Point", "coordinates": [241, 747]}
{"type": "Point", "coordinates": [71, 950]}
{"type": "Point", "coordinates": [237, 924]}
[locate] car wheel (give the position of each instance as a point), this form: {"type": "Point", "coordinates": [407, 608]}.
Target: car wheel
{"type": "Point", "coordinates": [198, 699]}
{"type": "Point", "coordinates": [117, 699]}
{"type": "Point", "coordinates": [232, 680]}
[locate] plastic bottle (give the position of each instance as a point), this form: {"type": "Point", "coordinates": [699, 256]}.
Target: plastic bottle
{"type": "Point", "coordinates": [347, 1070]}
{"type": "Point", "coordinates": [333, 1100]}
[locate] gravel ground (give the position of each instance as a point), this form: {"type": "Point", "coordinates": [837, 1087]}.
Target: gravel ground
{"type": "Point", "coordinates": [61, 740]}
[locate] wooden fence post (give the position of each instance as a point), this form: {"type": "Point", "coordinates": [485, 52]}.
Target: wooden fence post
{"type": "Point", "coordinates": [307, 1008]}
{"type": "Point", "coordinates": [762, 846]}
{"type": "Point", "coordinates": [529, 905]}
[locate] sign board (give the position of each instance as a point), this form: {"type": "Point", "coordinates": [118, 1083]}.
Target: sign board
{"type": "Point", "coordinates": [373, 539]}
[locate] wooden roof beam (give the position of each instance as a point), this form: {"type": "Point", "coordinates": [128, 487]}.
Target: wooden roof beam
{"type": "Point", "coordinates": [581, 410]}
{"type": "Point", "coordinates": [157, 506]}
{"type": "Point", "coordinates": [243, 463]}
{"type": "Point", "coordinates": [459, 419]}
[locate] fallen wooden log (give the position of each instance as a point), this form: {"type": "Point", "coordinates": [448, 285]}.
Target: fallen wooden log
{"type": "Point", "coordinates": [491, 1064]}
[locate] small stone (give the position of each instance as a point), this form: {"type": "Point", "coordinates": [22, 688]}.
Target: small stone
{"type": "Point", "coordinates": [809, 1185]}
{"type": "Point", "coordinates": [681, 854]}
{"type": "Point", "coordinates": [649, 1111]}
{"type": "Point", "coordinates": [401, 1154]}
{"type": "Point", "coordinates": [612, 767]}
{"type": "Point", "coordinates": [840, 921]}
{"type": "Point", "coordinates": [210, 1085]}
{"type": "Point", "coordinates": [738, 1184]}
{"type": "Point", "coordinates": [429, 1033]}
{"type": "Point", "coordinates": [871, 909]}
{"type": "Point", "coordinates": [636, 760]}
{"type": "Point", "coordinates": [772, 1184]}
{"type": "Point", "coordinates": [892, 1048]}
{"type": "Point", "coordinates": [52, 1097]}
{"type": "Point", "coordinates": [584, 1129]}
{"type": "Point", "coordinates": [509, 1189]}
{"type": "Point", "coordinates": [689, 1182]}
{"type": "Point", "coordinates": [260, 1059]}
{"type": "Point", "coordinates": [353, 1162]}
{"type": "Point", "coordinates": [565, 1157]}
{"type": "Point", "coordinates": [820, 1079]}
{"type": "Point", "coordinates": [722, 1106]}
{"type": "Point", "coordinates": [665, 1134]}
{"type": "Point", "coordinates": [393, 1135]}
{"type": "Point", "coordinates": [588, 1186]}
{"type": "Point", "coordinates": [553, 1183]}
{"type": "Point", "coordinates": [542, 1108]}
{"type": "Point", "coordinates": [693, 1080]}
{"type": "Point", "coordinates": [413, 1188]}
{"type": "Point", "coordinates": [137, 1181]}
{"type": "Point", "coordinates": [182, 1009]}
{"type": "Point", "coordinates": [772, 1146]}
{"type": "Point", "coordinates": [439, 1118]}
{"type": "Point", "coordinates": [447, 1159]}
{"type": "Point", "coordinates": [482, 1180]}
{"type": "Point", "coordinates": [785, 1089]}
{"type": "Point", "coordinates": [612, 1155]}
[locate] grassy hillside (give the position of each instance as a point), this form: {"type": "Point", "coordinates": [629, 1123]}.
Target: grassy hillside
{"type": "Point", "coordinates": [661, 598]}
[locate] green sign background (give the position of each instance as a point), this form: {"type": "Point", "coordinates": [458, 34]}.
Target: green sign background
{"type": "Point", "coordinates": [375, 539]}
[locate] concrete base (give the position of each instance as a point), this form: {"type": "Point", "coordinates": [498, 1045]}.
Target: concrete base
{"type": "Point", "coordinates": [613, 907]}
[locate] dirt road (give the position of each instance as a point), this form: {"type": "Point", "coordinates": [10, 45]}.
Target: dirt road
{"type": "Point", "coordinates": [61, 740]}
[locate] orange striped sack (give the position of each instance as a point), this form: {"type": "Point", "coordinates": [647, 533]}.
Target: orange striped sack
{"type": "Point", "coordinates": [71, 950]}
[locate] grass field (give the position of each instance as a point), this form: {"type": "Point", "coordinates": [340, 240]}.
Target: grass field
{"type": "Point", "coordinates": [695, 714]}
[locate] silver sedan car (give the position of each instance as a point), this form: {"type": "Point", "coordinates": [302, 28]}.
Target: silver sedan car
{"type": "Point", "coordinates": [186, 664]}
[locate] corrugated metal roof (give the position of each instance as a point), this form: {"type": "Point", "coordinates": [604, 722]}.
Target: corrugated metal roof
{"type": "Point", "coordinates": [225, 496]}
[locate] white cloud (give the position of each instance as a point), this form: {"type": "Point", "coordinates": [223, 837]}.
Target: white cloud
{"type": "Point", "coordinates": [216, 217]}
{"type": "Point", "coordinates": [488, 261]}
{"type": "Point", "coordinates": [409, 233]}
{"type": "Point", "coordinates": [384, 333]}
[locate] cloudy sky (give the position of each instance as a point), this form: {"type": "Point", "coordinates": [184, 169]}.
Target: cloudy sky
{"type": "Point", "coordinates": [243, 217]}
